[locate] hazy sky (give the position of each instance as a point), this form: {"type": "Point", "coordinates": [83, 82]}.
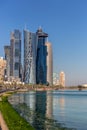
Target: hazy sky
{"type": "Point", "coordinates": [66, 23]}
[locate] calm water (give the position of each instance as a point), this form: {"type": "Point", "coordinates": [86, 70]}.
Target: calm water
{"type": "Point", "coordinates": [51, 110]}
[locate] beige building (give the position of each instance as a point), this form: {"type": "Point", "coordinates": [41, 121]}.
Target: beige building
{"type": "Point", "coordinates": [62, 79]}
{"type": "Point", "coordinates": [2, 68]}
{"type": "Point", "coordinates": [49, 63]}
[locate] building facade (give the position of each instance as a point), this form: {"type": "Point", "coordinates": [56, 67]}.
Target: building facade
{"type": "Point", "coordinates": [38, 62]}
{"type": "Point", "coordinates": [49, 60]}
{"type": "Point", "coordinates": [15, 51]}
{"type": "Point", "coordinates": [62, 79]}
{"type": "Point", "coordinates": [29, 57]}
{"type": "Point", "coordinates": [41, 63]}
{"type": "Point", "coordinates": [55, 79]}
{"type": "Point", "coordinates": [2, 68]}
{"type": "Point", "coordinates": [7, 58]}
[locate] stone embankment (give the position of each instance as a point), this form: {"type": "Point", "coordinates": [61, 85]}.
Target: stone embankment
{"type": "Point", "coordinates": [3, 125]}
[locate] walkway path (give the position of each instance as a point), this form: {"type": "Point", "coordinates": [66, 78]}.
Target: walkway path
{"type": "Point", "coordinates": [2, 123]}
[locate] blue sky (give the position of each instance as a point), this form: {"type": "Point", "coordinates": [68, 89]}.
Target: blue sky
{"type": "Point", "coordinates": [66, 23]}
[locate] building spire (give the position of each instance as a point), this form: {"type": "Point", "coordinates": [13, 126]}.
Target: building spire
{"type": "Point", "coordinates": [25, 27]}
{"type": "Point", "coordinates": [40, 27]}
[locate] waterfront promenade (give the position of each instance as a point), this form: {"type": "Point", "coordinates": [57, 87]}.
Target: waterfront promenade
{"type": "Point", "coordinates": [3, 125]}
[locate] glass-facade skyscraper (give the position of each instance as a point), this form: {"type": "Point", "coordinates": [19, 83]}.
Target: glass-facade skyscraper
{"type": "Point", "coordinates": [15, 51]}
{"type": "Point", "coordinates": [41, 63]}
{"type": "Point", "coordinates": [37, 58]}
{"type": "Point", "coordinates": [7, 58]}
{"type": "Point", "coordinates": [29, 57]}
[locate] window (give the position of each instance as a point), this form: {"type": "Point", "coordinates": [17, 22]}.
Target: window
{"type": "Point", "coordinates": [16, 66]}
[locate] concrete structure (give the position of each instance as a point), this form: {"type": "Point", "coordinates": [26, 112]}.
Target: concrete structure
{"type": "Point", "coordinates": [2, 68]}
{"type": "Point", "coordinates": [41, 63]}
{"type": "Point", "coordinates": [62, 79]}
{"type": "Point", "coordinates": [29, 57]}
{"type": "Point", "coordinates": [49, 61]}
{"type": "Point", "coordinates": [7, 58]}
{"type": "Point", "coordinates": [15, 57]}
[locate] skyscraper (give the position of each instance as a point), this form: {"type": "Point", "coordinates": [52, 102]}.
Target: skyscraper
{"type": "Point", "coordinates": [41, 63]}
{"type": "Point", "coordinates": [7, 58]}
{"type": "Point", "coordinates": [15, 57]}
{"type": "Point", "coordinates": [29, 57]}
{"type": "Point", "coordinates": [62, 79]}
{"type": "Point", "coordinates": [49, 60]}
{"type": "Point", "coordinates": [38, 64]}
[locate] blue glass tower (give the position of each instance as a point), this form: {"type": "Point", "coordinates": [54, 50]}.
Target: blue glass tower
{"type": "Point", "coordinates": [41, 63]}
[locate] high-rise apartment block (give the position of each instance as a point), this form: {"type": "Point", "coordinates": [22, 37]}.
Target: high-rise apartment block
{"type": "Point", "coordinates": [62, 79]}
{"type": "Point", "coordinates": [15, 51]}
{"type": "Point", "coordinates": [2, 68]}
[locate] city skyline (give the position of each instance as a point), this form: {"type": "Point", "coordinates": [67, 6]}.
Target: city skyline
{"type": "Point", "coordinates": [38, 60]}
{"type": "Point", "coordinates": [66, 24]}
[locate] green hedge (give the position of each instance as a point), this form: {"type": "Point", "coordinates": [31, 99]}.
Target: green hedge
{"type": "Point", "coordinates": [13, 120]}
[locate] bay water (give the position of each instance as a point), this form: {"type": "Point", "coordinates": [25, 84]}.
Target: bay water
{"type": "Point", "coordinates": [53, 110]}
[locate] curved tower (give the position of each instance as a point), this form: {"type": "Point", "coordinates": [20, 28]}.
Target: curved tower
{"type": "Point", "coordinates": [29, 57]}
{"type": "Point", "coordinates": [49, 60]}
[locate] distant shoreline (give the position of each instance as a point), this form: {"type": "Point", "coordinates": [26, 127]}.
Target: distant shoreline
{"type": "Point", "coordinates": [27, 87]}
{"type": "Point", "coordinates": [49, 89]}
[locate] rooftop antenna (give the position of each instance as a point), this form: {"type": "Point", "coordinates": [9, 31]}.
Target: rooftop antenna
{"type": "Point", "coordinates": [40, 27]}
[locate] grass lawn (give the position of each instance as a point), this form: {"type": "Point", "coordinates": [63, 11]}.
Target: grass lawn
{"type": "Point", "coordinates": [13, 120]}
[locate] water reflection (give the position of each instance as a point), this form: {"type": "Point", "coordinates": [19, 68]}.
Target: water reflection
{"type": "Point", "coordinates": [39, 109]}
{"type": "Point", "coordinates": [62, 106]}
{"type": "Point", "coordinates": [49, 105]}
